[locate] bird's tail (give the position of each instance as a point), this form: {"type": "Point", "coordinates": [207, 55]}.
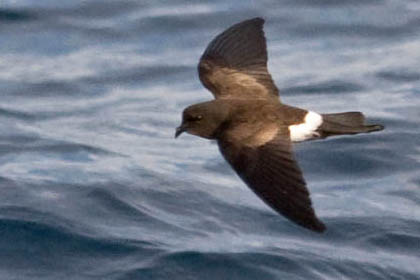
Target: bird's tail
{"type": "Point", "coordinates": [345, 123]}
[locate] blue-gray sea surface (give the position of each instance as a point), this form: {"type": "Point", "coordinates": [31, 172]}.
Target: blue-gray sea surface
{"type": "Point", "coordinates": [93, 184]}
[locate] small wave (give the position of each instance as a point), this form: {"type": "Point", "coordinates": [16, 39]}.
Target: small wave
{"type": "Point", "coordinates": [367, 31]}
{"type": "Point", "coordinates": [52, 89]}
{"type": "Point", "coordinates": [201, 265]}
{"type": "Point", "coordinates": [399, 242]}
{"type": "Point", "coordinates": [333, 87]}
{"type": "Point", "coordinates": [18, 234]}
{"type": "Point", "coordinates": [9, 15]}
{"type": "Point", "coordinates": [399, 76]}
{"type": "Point", "coordinates": [9, 113]}
{"type": "Point", "coordinates": [338, 161]}
{"type": "Point", "coordinates": [142, 75]}
{"type": "Point", "coordinates": [333, 3]}
{"type": "Point", "coordinates": [23, 144]}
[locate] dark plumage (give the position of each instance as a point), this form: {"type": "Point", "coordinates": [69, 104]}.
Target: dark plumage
{"type": "Point", "coordinates": [253, 129]}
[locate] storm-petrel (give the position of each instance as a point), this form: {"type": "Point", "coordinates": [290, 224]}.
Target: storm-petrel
{"type": "Point", "coordinates": [253, 129]}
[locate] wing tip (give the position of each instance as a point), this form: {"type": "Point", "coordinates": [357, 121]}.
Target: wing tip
{"type": "Point", "coordinates": [316, 226]}
{"type": "Point", "coordinates": [258, 20]}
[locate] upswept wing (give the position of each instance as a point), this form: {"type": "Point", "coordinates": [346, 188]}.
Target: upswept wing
{"type": "Point", "coordinates": [234, 65]}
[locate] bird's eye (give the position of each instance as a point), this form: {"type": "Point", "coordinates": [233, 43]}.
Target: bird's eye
{"type": "Point", "coordinates": [194, 118]}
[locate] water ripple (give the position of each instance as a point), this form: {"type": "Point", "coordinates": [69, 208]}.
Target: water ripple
{"type": "Point", "coordinates": [94, 186]}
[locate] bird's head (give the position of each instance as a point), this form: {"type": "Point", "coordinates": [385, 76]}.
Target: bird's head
{"type": "Point", "coordinates": [203, 119]}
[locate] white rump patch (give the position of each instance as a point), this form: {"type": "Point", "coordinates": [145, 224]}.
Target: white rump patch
{"type": "Point", "coordinates": [307, 129]}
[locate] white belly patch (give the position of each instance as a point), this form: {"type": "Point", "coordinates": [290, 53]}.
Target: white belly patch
{"type": "Point", "coordinates": [307, 129]}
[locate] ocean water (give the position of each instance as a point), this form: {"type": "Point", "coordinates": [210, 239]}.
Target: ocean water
{"type": "Point", "coordinates": [94, 186]}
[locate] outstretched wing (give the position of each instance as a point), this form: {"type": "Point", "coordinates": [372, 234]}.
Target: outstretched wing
{"type": "Point", "coordinates": [271, 171]}
{"type": "Point", "coordinates": [234, 65]}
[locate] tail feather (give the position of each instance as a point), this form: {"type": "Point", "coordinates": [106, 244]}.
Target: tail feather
{"type": "Point", "coordinates": [347, 118]}
{"type": "Point", "coordinates": [345, 123]}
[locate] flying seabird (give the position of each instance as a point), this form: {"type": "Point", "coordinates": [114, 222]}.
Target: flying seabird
{"type": "Point", "coordinates": [253, 128]}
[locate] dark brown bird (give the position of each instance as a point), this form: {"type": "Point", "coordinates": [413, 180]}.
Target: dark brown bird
{"type": "Point", "coordinates": [253, 129]}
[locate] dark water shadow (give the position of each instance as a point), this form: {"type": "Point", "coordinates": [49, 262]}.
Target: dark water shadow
{"type": "Point", "coordinates": [375, 232]}
{"type": "Point", "coordinates": [366, 31]}
{"type": "Point", "coordinates": [26, 144]}
{"type": "Point", "coordinates": [143, 75]}
{"type": "Point", "coordinates": [399, 76]}
{"type": "Point", "coordinates": [332, 3]}
{"type": "Point", "coordinates": [201, 265]}
{"type": "Point", "coordinates": [11, 15]}
{"type": "Point", "coordinates": [328, 87]}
